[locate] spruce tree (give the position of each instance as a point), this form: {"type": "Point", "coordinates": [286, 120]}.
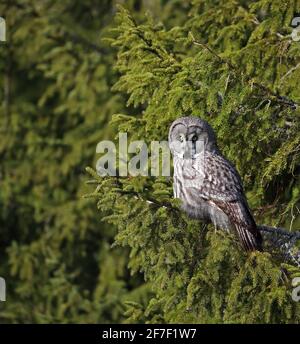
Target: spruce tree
{"type": "Point", "coordinates": [65, 69]}
{"type": "Point", "coordinates": [56, 72]}
{"type": "Point", "coordinates": [234, 64]}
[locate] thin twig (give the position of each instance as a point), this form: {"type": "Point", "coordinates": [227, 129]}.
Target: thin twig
{"type": "Point", "coordinates": [289, 72]}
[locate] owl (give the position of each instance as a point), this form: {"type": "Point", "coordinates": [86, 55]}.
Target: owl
{"type": "Point", "coordinates": [208, 185]}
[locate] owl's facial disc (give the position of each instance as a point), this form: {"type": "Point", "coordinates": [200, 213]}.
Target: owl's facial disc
{"type": "Point", "coordinates": [190, 136]}
{"type": "Point", "coordinates": [187, 142]}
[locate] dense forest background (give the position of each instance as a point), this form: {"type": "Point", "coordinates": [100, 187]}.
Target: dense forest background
{"type": "Point", "coordinates": [73, 73]}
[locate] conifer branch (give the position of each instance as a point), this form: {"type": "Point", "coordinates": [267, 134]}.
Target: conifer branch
{"type": "Point", "coordinates": [280, 231]}
{"type": "Point", "coordinates": [77, 39]}
{"type": "Point", "coordinates": [65, 36]}
{"type": "Point", "coordinates": [289, 72]}
{"type": "Point", "coordinates": [275, 238]}
{"type": "Point", "coordinates": [148, 42]}
{"type": "Point", "coordinates": [146, 198]}
{"type": "Point", "coordinates": [275, 97]}
{"type": "Point", "coordinates": [282, 240]}
{"type": "Point", "coordinates": [205, 46]}
{"type": "Point", "coordinates": [257, 22]}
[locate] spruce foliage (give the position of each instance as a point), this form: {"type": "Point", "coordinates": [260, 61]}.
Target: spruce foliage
{"type": "Point", "coordinates": [234, 64]}
{"type": "Point", "coordinates": [55, 78]}
{"type": "Point", "coordinates": [68, 69]}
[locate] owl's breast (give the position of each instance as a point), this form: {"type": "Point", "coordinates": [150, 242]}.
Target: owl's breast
{"type": "Point", "coordinates": [187, 184]}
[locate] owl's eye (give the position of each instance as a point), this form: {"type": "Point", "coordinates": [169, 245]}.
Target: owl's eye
{"type": "Point", "coordinates": [181, 137]}
{"type": "Point", "coordinates": [194, 138]}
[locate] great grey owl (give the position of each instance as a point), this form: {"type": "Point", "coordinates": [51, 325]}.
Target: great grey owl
{"type": "Point", "coordinates": [208, 185]}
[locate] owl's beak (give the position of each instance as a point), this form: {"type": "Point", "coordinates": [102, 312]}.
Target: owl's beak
{"type": "Point", "coordinates": [193, 149]}
{"type": "Point", "coordinates": [188, 150]}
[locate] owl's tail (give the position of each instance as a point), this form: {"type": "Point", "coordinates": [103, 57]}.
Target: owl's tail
{"type": "Point", "coordinates": [242, 221]}
{"type": "Point", "coordinates": [245, 226]}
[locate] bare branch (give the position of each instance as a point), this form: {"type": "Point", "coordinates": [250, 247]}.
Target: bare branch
{"type": "Point", "coordinates": [282, 240]}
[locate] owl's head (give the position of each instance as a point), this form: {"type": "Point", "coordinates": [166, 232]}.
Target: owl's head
{"type": "Point", "coordinates": [189, 136]}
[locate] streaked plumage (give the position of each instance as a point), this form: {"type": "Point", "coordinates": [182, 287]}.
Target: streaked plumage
{"type": "Point", "coordinates": [208, 184]}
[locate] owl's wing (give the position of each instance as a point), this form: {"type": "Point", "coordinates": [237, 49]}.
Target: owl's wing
{"type": "Point", "coordinates": [218, 182]}
{"type": "Point", "coordinates": [216, 178]}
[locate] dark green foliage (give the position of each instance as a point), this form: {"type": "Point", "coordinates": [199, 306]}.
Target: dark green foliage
{"type": "Point", "coordinates": [55, 78]}
{"type": "Point", "coordinates": [66, 68]}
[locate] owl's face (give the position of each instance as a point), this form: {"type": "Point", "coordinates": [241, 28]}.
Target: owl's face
{"type": "Point", "coordinates": [189, 136]}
